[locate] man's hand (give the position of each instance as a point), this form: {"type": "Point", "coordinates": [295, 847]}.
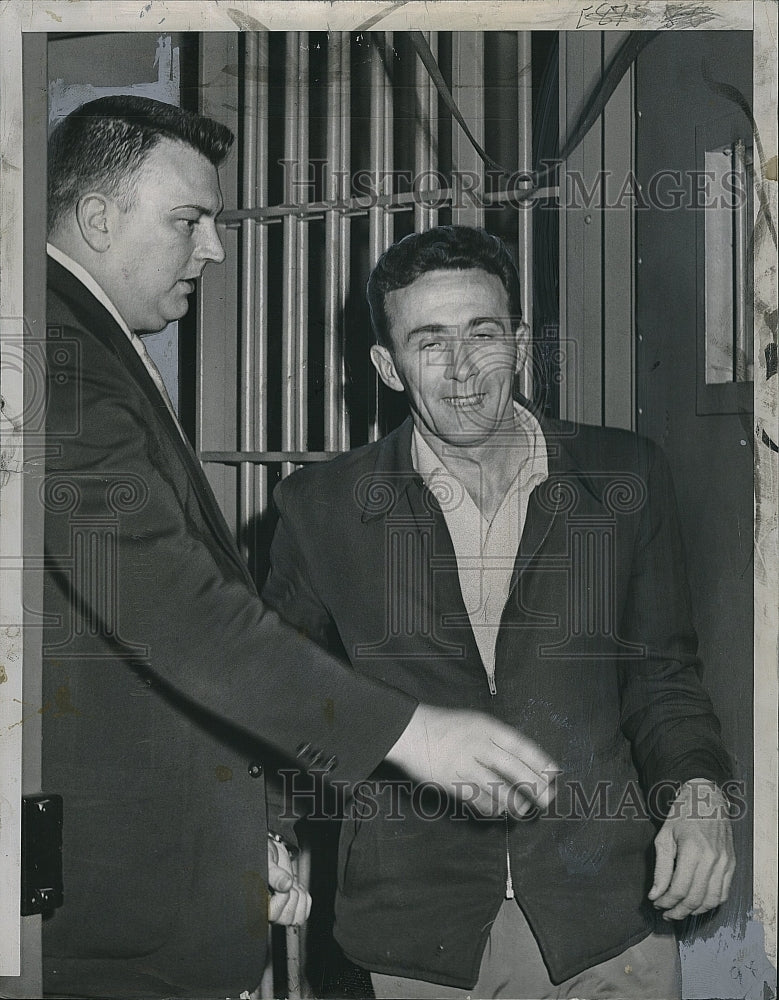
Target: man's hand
{"type": "Point", "coordinates": [694, 853]}
{"type": "Point", "coordinates": [486, 763]}
{"type": "Point", "coordinates": [289, 903]}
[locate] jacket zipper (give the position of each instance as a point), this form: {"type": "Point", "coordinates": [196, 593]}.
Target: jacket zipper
{"type": "Point", "coordinates": [509, 880]}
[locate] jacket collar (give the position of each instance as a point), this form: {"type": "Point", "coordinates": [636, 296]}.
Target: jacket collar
{"type": "Point", "coordinates": [95, 318]}
{"type": "Point", "coordinates": [394, 464]}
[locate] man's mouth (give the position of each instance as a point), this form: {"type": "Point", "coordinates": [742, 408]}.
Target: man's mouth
{"type": "Point", "coordinates": [465, 402]}
{"type": "Point", "coordinates": [189, 284]}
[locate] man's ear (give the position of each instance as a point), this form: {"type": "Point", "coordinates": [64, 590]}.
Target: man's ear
{"type": "Point", "coordinates": [522, 338]}
{"type": "Point", "coordinates": [93, 214]}
{"type": "Point", "coordinates": [385, 366]}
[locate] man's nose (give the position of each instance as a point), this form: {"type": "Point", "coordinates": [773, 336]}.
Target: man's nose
{"type": "Point", "coordinates": [210, 245]}
{"type": "Point", "coordinates": [462, 362]}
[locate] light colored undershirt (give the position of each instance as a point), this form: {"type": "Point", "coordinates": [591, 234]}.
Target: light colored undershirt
{"type": "Point", "coordinates": [92, 286]}
{"type": "Point", "coordinates": [486, 550]}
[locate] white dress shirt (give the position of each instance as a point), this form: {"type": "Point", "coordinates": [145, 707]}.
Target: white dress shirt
{"type": "Point", "coordinates": [91, 285]}
{"type": "Point", "coordinates": [486, 550]}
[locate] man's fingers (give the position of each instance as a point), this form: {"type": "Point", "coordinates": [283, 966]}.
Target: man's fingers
{"type": "Point", "coordinates": [290, 908]}
{"type": "Point", "coordinates": [280, 875]}
{"type": "Point", "coordinates": [698, 877]}
{"type": "Point", "coordinates": [718, 887]}
{"type": "Point", "coordinates": [665, 853]}
{"type": "Point", "coordinates": [728, 879]}
{"type": "Point", "coordinates": [686, 894]}
{"type": "Point", "coordinates": [490, 796]}
{"type": "Point", "coordinates": [453, 748]}
{"type": "Point", "coordinates": [515, 758]}
{"type": "Point", "coordinates": [282, 907]}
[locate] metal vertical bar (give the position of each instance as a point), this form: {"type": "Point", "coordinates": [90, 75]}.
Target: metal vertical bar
{"type": "Point", "coordinates": [246, 345]}
{"type": "Point", "coordinates": [295, 326]}
{"type": "Point", "coordinates": [389, 169]}
{"type": "Point", "coordinates": [290, 257]}
{"type": "Point", "coordinates": [297, 986]}
{"type": "Point", "coordinates": [294, 983]}
{"type": "Point", "coordinates": [581, 242]}
{"type": "Point", "coordinates": [265, 989]}
{"type": "Point", "coordinates": [740, 352]}
{"type": "Point", "coordinates": [468, 92]}
{"type": "Point", "coordinates": [377, 214]}
{"type": "Point", "coordinates": [381, 220]}
{"type": "Point", "coordinates": [217, 417]}
{"type": "Point", "coordinates": [344, 261]}
{"type": "Point", "coordinates": [565, 409]}
{"type": "Point", "coordinates": [389, 135]}
{"type": "Point", "coordinates": [426, 137]}
{"type": "Point", "coordinates": [301, 271]}
{"type": "Point", "coordinates": [525, 214]}
{"type": "Point", "coordinates": [260, 374]}
{"type": "Point", "coordinates": [333, 386]}
{"type": "Point", "coordinates": [618, 242]}
{"type": "Point", "coordinates": [377, 153]}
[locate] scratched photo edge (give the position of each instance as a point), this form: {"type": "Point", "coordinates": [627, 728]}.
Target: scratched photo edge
{"type": "Point", "coordinates": [543, 14]}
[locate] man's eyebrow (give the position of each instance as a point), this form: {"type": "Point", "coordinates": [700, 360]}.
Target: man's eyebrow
{"type": "Point", "coordinates": [479, 320]}
{"type": "Point", "coordinates": [436, 328]}
{"type": "Point", "coordinates": [441, 328]}
{"type": "Point", "coordinates": [200, 209]}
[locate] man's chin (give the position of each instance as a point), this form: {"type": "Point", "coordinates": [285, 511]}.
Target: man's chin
{"type": "Point", "coordinates": [159, 325]}
{"type": "Point", "coordinates": [172, 315]}
{"type": "Point", "coordinates": [467, 437]}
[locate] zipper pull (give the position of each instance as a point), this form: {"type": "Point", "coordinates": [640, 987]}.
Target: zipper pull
{"type": "Point", "coordinates": [509, 880]}
{"type": "Point", "coordinates": [491, 682]}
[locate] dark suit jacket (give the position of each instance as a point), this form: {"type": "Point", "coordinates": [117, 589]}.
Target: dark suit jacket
{"type": "Point", "coordinates": [163, 673]}
{"type": "Point", "coordinates": [595, 661]}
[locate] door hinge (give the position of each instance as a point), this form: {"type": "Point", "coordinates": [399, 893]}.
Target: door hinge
{"type": "Point", "coordinates": [41, 853]}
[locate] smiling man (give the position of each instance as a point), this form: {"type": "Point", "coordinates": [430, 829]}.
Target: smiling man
{"type": "Point", "coordinates": [480, 557]}
{"type": "Point", "coordinates": [165, 675]}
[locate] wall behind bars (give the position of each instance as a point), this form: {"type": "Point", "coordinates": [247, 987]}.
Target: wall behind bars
{"type": "Point", "coordinates": [710, 455]}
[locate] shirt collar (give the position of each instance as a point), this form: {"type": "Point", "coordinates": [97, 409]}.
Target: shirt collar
{"type": "Point", "coordinates": [89, 283]}
{"type": "Point", "coordinates": [533, 457]}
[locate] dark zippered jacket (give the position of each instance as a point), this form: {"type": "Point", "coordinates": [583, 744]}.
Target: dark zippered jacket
{"type": "Point", "coordinates": [595, 661]}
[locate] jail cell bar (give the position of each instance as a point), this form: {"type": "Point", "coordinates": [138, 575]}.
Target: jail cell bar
{"type": "Point", "coordinates": [253, 297]}
{"type": "Point", "coordinates": [337, 239]}
{"type": "Point", "coordinates": [255, 215]}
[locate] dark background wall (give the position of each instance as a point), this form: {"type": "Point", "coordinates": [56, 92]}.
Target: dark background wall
{"type": "Point", "coordinates": [710, 455]}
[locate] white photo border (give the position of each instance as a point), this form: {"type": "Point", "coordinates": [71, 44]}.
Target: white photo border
{"type": "Point", "coordinates": [18, 17]}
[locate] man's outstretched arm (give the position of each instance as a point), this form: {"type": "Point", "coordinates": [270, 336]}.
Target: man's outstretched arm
{"type": "Point", "coordinates": [190, 617]}
{"type": "Point", "coordinates": [473, 756]}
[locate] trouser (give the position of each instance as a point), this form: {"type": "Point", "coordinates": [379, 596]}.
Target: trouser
{"type": "Point", "coordinates": [512, 967]}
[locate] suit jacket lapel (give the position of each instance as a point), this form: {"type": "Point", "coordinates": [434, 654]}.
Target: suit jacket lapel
{"type": "Point", "coordinates": [395, 478]}
{"type": "Point", "coordinates": [549, 501]}
{"type": "Point", "coordinates": [104, 327]}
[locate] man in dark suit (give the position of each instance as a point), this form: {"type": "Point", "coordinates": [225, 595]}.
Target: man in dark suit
{"type": "Point", "coordinates": [480, 557]}
{"type": "Point", "coordinates": [165, 676]}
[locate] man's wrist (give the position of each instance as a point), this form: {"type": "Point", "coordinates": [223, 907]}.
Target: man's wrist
{"type": "Point", "coordinates": [701, 798]}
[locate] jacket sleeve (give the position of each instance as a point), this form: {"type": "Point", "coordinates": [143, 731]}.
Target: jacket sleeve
{"type": "Point", "coordinates": [289, 591]}
{"type": "Point", "coordinates": [665, 711]}
{"type": "Point", "coordinates": [185, 610]}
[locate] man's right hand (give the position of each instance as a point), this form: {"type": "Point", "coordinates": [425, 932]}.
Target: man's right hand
{"type": "Point", "coordinates": [486, 763]}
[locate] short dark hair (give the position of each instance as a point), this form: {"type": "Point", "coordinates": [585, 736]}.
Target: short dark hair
{"type": "Point", "coordinates": [103, 144]}
{"type": "Point", "coordinates": [444, 248]}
